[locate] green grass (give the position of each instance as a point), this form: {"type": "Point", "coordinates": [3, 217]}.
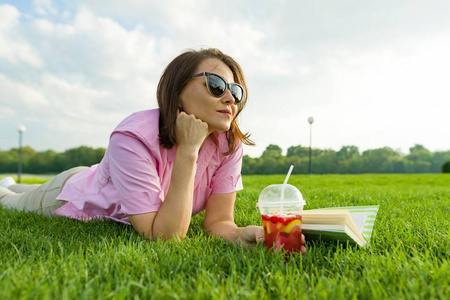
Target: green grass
{"type": "Point", "coordinates": [408, 257]}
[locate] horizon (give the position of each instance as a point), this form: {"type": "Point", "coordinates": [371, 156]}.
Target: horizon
{"type": "Point", "coordinates": [284, 151]}
{"type": "Point", "coordinates": [372, 75]}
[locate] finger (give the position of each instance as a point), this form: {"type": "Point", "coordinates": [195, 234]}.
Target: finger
{"type": "Point", "coordinates": [302, 239]}
{"type": "Point", "coordinates": [257, 234]}
{"type": "Point", "coordinates": [181, 114]}
{"type": "Point", "coordinates": [303, 250]}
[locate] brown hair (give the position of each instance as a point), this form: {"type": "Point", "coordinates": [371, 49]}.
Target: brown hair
{"type": "Point", "coordinates": [174, 79]}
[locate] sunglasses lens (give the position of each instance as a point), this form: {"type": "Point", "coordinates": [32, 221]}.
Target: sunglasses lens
{"type": "Point", "coordinates": [237, 92]}
{"type": "Point", "coordinates": [216, 85]}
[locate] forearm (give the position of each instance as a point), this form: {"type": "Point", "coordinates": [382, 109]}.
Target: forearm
{"type": "Point", "coordinates": [174, 215]}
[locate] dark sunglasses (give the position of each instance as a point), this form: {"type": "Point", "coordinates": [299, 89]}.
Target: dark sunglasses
{"type": "Point", "coordinates": [217, 86]}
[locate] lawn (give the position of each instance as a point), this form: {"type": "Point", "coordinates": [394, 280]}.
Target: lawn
{"type": "Point", "coordinates": [408, 257]}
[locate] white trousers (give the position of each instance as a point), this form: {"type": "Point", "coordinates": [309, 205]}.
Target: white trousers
{"type": "Point", "coordinates": [39, 198]}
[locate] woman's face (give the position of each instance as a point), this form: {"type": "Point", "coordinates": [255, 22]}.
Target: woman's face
{"type": "Point", "coordinates": [195, 98]}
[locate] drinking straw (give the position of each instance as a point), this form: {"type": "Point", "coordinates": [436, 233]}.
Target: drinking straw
{"type": "Point", "coordinates": [283, 187]}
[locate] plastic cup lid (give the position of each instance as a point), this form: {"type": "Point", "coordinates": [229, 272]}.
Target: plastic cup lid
{"type": "Point", "coordinates": [271, 196]}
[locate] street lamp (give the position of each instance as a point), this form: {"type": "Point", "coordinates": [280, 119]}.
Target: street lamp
{"type": "Point", "coordinates": [21, 130]}
{"type": "Point", "coordinates": [310, 121]}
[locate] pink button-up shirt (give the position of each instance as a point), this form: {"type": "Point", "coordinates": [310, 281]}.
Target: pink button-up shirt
{"type": "Point", "coordinates": [134, 175]}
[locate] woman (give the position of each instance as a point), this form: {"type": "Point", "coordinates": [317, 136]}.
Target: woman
{"type": "Point", "coordinates": [164, 165]}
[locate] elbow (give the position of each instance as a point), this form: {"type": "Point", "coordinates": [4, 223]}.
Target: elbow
{"type": "Point", "coordinates": [151, 227]}
{"type": "Point", "coordinates": [166, 230]}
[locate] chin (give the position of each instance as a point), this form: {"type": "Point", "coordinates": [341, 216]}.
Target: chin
{"type": "Point", "coordinates": [221, 125]}
{"type": "Point", "coordinates": [226, 128]}
{"type": "Point", "coordinates": [222, 128]}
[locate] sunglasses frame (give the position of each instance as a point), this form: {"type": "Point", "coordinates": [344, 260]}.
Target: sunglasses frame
{"type": "Point", "coordinates": [227, 86]}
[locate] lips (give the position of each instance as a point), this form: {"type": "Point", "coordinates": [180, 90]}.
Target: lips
{"type": "Point", "coordinates": [225, 111]}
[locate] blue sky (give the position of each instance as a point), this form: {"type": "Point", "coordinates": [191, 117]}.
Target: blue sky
{"type": "Point", "coordinates": [372, 74]}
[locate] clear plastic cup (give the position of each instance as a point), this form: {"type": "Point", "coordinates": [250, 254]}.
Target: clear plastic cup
{"type": "Point", "coordinates": [281, 207]}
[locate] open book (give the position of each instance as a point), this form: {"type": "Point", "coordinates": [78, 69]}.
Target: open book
{"type": "Point", "coordinates": [351, 223]}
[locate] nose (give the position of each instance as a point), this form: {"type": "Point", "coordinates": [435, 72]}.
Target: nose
{"type": "Point", "coordinates": [228, 97]}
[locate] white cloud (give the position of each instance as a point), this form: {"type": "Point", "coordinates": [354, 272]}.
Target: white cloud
{"type": "Point", "coordinates": [44, 7]}
{"type": "Point", "coordinates": [8, 17]}
{"type": "Point", "coordinates": [123, 53]}
{"type": "Point", "coordinates": [14, 49]}
{"type": "Point", "coordinates": [96, 73]}
{"type": "Point", "coordinates": [194, 24]}
{"type": "Point", "coordinates": [390, 95]}
{"type": "Point", "coordinates": [20, 96]}
{"type": "Point", "coordinates": [97, 45]}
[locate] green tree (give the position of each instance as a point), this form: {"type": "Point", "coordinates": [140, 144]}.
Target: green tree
{"type": "Point", "coordinates": [348, 152]}
{"type": "Point", "coordinates": [43, 162]}
{"type": "Point", "coordinates": [81, 156]}
{"type": "Point", "coordinates": [325, 162]}
{"type": "Point", "coordinates": [8, 162]}
{"type": "Point", "coordinates": [268, 165]}
{"type": "Point", "coordinates": [379, 160]}
{"type": "Point", "coordinates": [301, 164]}
{"type": "Point", "coordinates": [271, 161]}
{"type": "Point", "coordinates": [298, 156]}
{"type": "Point", "coordinates": [348, 160]}
{"type": "Point", "coordinates": [249, 165]}
{"type": "Point", "coordinates": [419, 159]}
{"type": "Point", "coordinates": [399, 164]}
{"type": "Point", "coordinates": [27, 153]}
{"type": "Point", "coordinates": [273, 151]}
{"type": "Point", "coordinates": [446, 167]}
{"type": "Point", "coordinates": [438, 159]}
{"type": "Point", "coordinates": [298, 151]}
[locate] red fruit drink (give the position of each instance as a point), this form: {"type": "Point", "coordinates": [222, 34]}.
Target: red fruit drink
{"type": "Point", "coordinates": [282, 232]}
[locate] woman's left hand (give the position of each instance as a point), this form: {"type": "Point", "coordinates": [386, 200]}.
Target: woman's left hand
{"type": "Point", "coordinates": [250, 235]}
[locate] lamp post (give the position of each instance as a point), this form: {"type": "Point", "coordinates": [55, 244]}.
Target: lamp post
{"type": "Point", "coordinates": [310, 121]}
{"type": "Point", "coordinates": [21, 130]}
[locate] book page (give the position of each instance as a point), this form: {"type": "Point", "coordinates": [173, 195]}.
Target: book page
{"type": "Point", "coordinates": [331, 217]}
{"type": "Point", "coordinates": [369, 214]}
{"type": "Point", "coordinates": [360, 220]}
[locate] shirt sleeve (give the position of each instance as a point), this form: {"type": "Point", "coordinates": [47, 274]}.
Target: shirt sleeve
{"type": "Point", "coordinates": [227, 178]}
{"type": "Point", "coordinates": [134, 175]}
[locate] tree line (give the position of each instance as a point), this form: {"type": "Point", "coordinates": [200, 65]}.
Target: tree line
{"type": "Point", "coordinates": [348, 160]}
{"type": "Point", "coordinates": [49, 162]}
